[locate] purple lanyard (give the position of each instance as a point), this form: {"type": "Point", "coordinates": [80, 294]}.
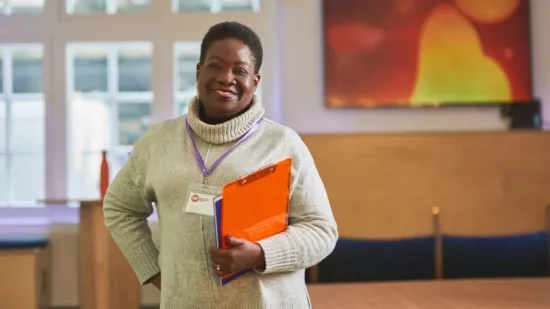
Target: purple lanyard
{"type": "Point", "coordinates": [207, 171]}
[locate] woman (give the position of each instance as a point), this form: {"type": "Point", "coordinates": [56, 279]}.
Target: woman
{"type": "Point", "coordinates": [173, 160]}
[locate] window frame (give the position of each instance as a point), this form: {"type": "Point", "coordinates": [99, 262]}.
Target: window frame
{"type": "Point", "coordinates": [216, 7]}
{"type": "Point", "coordinates": [179, 95]}
{"type": "Point", "coordinates": [110, 13]}
{"type": "Point", "coordinates": [112, 97]}
{"type": "Point", "coordinates": [9, 97]}
{"type": "Point", "coordinates": [162, 27]}
{"type": "Point", "coordinates": [6, 10]}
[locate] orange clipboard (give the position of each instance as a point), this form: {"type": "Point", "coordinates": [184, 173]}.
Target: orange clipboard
{"type": "Point", "coordinates": [256, 206]}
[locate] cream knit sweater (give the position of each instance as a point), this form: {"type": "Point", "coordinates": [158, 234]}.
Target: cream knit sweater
{"type": "Point", "coordinates": [160, 169]}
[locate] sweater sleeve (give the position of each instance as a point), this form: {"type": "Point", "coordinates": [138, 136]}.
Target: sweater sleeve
{"type": "Point", "coordinates": [312, 232]}
{"type": "Point", "coordinates": [126, 209]}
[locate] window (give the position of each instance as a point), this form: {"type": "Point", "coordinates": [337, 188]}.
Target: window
{"type": "Point", "coordinates": [81, 76]}
{"type": "Point", "coordinates": [186, 58]}
{"type": "Point", "coordinates": [240, 5]}
{"type": "Point", "coordinates": [192, 5]}
{"type": "Point", "coordinates": [107, 6]}
{"type": "Point", "coordinates": [22, 127]}
{"type": "Point", "coordinates": [110, 107]}
{"type": "Point", "coordinates": [9, 7]}
{"type": "Point", "coordinates": [215, 6]}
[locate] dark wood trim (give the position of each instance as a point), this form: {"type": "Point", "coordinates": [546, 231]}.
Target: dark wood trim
{"type": "Point", "coordinates": [436, 211]}
{"type": "Point", "coordinates": [314, 274]}
{"type": "Point", "coordinates": [548, 233]}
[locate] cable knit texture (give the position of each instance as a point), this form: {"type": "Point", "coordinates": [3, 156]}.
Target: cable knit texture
{"type": "Point", "coordinates": [160, 170]}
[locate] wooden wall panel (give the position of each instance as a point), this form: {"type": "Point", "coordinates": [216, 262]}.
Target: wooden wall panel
{"type": "Point", "coordinates": [384, 185]}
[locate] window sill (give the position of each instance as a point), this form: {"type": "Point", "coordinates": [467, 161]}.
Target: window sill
{"type": "Point", "coordinates": [41, 221]}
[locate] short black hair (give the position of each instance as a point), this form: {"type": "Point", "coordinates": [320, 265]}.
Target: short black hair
{"type": "Point", "coordinates": [238, 31]}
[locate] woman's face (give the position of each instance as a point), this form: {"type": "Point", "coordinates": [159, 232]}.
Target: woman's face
{"type": "Point", "coordinates": [226, 80]}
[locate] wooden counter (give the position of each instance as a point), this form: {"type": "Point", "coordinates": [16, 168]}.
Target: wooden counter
{"type": "Point", "coordinates": [106, 279]}
{"type": "Point", "coordinates": [25, 269]}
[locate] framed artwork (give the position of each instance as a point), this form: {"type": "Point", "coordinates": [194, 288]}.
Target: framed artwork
{"type": "Point", "coordinates": [415, 53]}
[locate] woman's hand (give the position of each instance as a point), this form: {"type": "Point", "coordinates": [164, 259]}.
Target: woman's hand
{"type": "Point", "coordinates": [241, 255]}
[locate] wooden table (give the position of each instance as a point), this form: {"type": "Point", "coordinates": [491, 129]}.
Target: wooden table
{"type": "Point", "coordinates": [437, 294]}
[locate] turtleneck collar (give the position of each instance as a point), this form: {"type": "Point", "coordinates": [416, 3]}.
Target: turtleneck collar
{"type": "Point", "coordinates": [225, 132]}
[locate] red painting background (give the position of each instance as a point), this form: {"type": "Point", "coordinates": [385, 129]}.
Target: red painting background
{"type": "Point", "coordinates": [372, 50]}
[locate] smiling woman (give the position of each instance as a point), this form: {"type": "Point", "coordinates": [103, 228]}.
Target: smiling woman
{"type": "Point", "coordinates": [223, 136]}
{"type": "Point", "coordinates": [228, 72]}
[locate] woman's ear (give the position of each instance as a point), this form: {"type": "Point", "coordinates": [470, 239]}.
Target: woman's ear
{"type": "Point", "coordinates": [257, 78]}
{"type": "Point", "coordinates": [197, 72]}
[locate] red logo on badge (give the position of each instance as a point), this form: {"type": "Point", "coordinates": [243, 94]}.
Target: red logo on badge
{"type": "Point", "coordinates": [195, 198]}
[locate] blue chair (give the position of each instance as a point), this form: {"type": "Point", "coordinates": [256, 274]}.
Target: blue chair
{"type": "Point", "coordinates": [18, 243]}
{"type": "Point", "coordinates": [525, 255]}
{"type": "Point", "coordinates": [361, 260]}
{"type": "Point", "coordinates": [309, 274]}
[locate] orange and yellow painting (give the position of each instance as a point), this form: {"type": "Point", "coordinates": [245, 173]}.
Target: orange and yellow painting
{"type": "Point", "coordinates": [426, 52]}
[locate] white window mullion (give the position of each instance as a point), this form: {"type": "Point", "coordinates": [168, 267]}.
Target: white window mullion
{"type": "Point", "coordinates": [134, 96]}
{"type": "Point", "coordinates": [8, 151]}
{"type": "Point", "coordinates": [112, 69]}
{"type": "Point", "coordinates": [57, 76]}
{"type": "Point", "coordinates": [175, 6]}
{"type": "Point", "coordinates": [111, 7]}
{"type": "Point", "coordinates": [255, 5]}
{"type": "Point", "coordinates": [113, 142]}
{"type": "Point", "coordinates": [163, 72]}
{"type": "Point", "coordinates": [8, 86]}
{"type": "Point", "coordinates": [69, 6]}
{"type": "Point", "coordinates": [69, 67]}
{"type": "Point", "coordinates": [7, 7]}
{"type": "Point", "coordinates": [68, 90]}
{"type": "Point", "coordinates": [215, 6]}
{"type": "Point", "coordinates": [95, 96]}
{"type": "Point", "coordinates": [4, 57]}
{"type": "Point", "coordinates": [113, 86]}
{"type": "Point", "coordinates": [8, 75]}
{"type": "Point", "coordinates": [176, 80]}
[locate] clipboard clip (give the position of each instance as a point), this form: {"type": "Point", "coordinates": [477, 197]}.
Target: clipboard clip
{"type": "Point", "coordinates": [245, 180]}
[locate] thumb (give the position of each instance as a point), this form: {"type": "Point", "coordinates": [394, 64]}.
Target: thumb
{"type": "Point", "coordinates": [232, 241]}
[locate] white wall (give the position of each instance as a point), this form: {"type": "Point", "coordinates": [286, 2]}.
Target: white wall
{"type": "Point", "coordinates": [541, 53]}
{"type": "Point", "coordinates": [295, 97]}
{"type": "Point", "coordinates": [303, 107]}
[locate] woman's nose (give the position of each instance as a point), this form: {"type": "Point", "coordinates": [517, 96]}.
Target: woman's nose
{"type": "Point", "coordinates": [226, 77]}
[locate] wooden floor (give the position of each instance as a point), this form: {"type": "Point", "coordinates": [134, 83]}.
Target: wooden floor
{"type": "Point", "coordinates": [144, 307]}
{"type": "Point", "coordinates": [444, 294]}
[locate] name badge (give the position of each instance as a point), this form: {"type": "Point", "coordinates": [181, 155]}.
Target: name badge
{"type": "Point", "coordinates": [200, 199]}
